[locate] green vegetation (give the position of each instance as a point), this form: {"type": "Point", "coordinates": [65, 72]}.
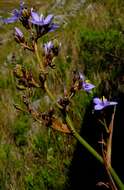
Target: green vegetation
{"type": "Point", "coordinates": [33, 156]}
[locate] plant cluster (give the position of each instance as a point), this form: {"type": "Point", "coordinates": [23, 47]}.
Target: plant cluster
{"type": "Point", "coordinates": [36, 27]}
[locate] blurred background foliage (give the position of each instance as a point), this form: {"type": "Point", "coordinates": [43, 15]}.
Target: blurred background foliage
{"type": "Point", "coordinates": [34, 157]}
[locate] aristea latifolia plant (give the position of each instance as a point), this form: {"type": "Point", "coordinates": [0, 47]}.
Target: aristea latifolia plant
{"type": "Point", "coordinates": [37, 26]}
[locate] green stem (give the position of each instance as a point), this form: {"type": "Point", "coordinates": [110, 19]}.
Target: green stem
{"type": "Point", "coordinates": [39, 59]}
{"type": "Point", "coordinates": [51, 95]}
{"type": "Point", "coordinates": [116, 178]}
{"type": "Point", "coordinates": [94, 153]}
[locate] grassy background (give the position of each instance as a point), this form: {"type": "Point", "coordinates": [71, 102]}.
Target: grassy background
{"type": "Point", "coordinates": [32, 156]}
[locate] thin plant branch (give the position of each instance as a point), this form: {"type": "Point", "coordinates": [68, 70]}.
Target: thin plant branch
{"type": "Point", "coordinates": [94, 152]}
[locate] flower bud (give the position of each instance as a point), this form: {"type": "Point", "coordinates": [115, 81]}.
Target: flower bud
{"type": "Point", "coordinates": [19, 37]}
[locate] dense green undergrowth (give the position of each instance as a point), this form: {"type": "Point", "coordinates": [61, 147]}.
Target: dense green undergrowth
{"type": "Point", "coordinates": [32, 156]}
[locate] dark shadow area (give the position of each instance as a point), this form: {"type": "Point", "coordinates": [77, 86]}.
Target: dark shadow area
{"type": "Point", "coordinates": [85, 171]}
{"type": "Point", "coordinates": [118, 139]}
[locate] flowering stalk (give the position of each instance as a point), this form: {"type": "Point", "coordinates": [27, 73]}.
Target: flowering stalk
{"type": "Point", "coordinates": [94, 152]}
{"type": "Point", "coordinates": [45, 83]}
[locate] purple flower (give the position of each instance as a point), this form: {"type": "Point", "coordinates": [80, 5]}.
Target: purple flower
{"type": "Point", "coordinates": [102, 103]}
{"type": "Point", "coordinates": [87, 86]}
{"type": "Point", "coordinates": [16, 14]}
{"type": "Point", "coordinates": [43, 25]}
{"type": "Point", "coordinates": [48, 47]}
{"type": "Point", "coordinates": [52, 47]}
{"type": "Point", "coordinates": [40, 20]}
